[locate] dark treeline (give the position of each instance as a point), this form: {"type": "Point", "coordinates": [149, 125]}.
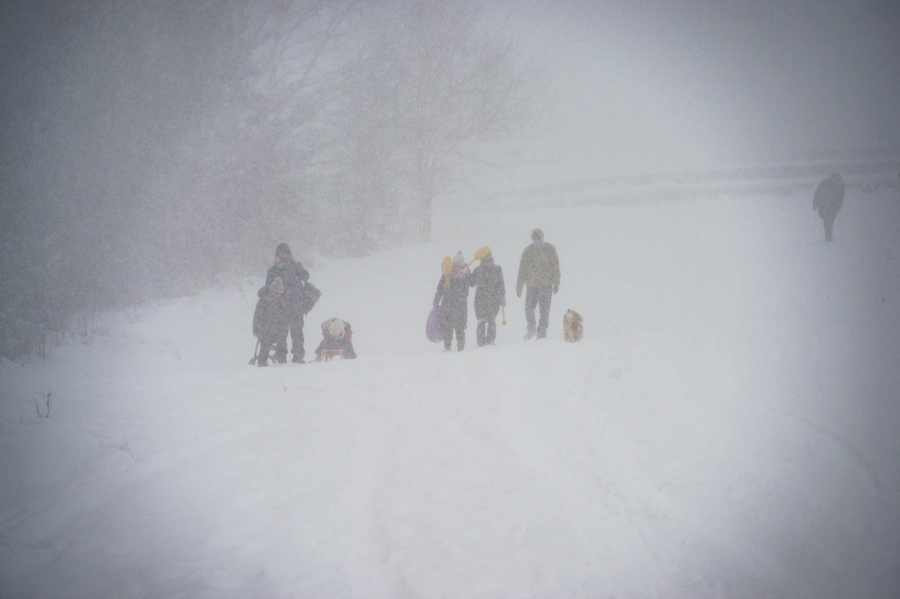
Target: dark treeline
{"type": "Point", "coordinates": [148, 148]}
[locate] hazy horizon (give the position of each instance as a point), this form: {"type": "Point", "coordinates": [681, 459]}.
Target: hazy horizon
{"type": "Point", "coordinates": [660, 86]}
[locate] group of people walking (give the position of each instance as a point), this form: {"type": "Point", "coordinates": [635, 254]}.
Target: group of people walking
{"type": "Point", "coordinates": [539, 275]}
{"type": "Point", "coordinates": [287, 295]}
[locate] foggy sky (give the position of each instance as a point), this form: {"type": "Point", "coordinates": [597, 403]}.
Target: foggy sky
{"type": "Point", "coordinates": [657, 86]}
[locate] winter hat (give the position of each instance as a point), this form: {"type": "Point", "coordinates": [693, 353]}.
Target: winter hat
{"type": "Point", "coordinates": [282, 247]}
{"type": "Point", "coordinates": [446, 267]}
{"type": "Point", "coordinates": [537, 234]}
{"type": "Point", "coordinates": [459, 267]}
{"type": "Point", "coordinates": [277, 285]}
{"type": "Point", "coordinates": [336, 328]}
{"type": "Point", "coordinates": [481, 253]}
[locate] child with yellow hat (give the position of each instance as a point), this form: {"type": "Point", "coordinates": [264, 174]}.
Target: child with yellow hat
{"type": "Point", "coordinates": [451, 300]}
{"type": "Point", "coordinates": [490, 296]}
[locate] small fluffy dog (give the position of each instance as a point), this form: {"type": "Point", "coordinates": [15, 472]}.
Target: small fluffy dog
{"type": "Point", "coordinates": [572, 329]}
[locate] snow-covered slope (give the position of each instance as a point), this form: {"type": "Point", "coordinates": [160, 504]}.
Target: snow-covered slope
{"type": "Point", "coordinates": [727, 427]}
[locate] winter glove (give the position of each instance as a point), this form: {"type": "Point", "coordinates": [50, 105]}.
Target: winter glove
{"type": "Point", "coordinates": [555, 288]}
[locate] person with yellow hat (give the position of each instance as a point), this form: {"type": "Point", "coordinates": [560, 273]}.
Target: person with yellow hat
{"type": "Point", "coordinates": [490, 295]}
{"type": "Point", "coordinates": [539, 271]}
{"type": "Point", "coordinates": [451, 300]}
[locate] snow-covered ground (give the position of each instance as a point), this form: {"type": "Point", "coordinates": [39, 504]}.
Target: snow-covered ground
{"type": "Point", "coordinates": [728, 427]}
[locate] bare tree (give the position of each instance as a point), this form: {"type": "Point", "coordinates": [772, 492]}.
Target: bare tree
{"type": "Point", "coordinates": [424, 89]}
{"type": "Point", "coordinates": [149, 147]}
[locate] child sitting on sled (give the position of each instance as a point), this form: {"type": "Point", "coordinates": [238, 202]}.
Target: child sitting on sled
{"type": "Point", "coordinates": [337, 340]}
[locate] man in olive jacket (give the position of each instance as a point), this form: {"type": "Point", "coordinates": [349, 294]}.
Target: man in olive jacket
{"type": "Point", "coordinates": [539, 271]}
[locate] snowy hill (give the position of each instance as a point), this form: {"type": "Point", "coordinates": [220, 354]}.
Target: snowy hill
{"type": "Point", "coordinates": [727, 427]}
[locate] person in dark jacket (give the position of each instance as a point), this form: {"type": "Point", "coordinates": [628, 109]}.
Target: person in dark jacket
{"type": "Point", "coordinates": [452, 302]}
{"type": "Point", "coordinates": [294, 277]}
{"type": "Point", "coordinates": [828, 200]}
{"type": "Point", "coordinates": [270, 323]}
{"type": "Point", "coordinates": [490, 294]}
{"type": "Point", "coordinates": [539, 271]}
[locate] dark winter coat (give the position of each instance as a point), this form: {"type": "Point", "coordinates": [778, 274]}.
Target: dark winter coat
{"type": "Point", "coordinates": [539, 267]}
{"type": "Point", "coordinates": [452, 301]}
{"type": "Point", "coordinates": [490, 292]}
{"type": "Point", "coordinates": [271, 316]}
{"type": "Point", "coordinates": [829, 197]}
{"type": "Point", "coordinates": [294, 276]}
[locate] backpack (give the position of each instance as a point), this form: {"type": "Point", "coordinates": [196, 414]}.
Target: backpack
{"type": "Point", "coordinates": [311, 295]}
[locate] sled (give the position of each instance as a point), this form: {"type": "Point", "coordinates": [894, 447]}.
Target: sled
{"type": "Point", "coordinates": [433, 329]}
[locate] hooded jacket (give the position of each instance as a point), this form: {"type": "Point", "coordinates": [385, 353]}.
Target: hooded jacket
{"type": "Point", "coordinates": [294, 276]}
{"type": "Point", "coordinates": [452, 296]}
{"type": "Point", "coordinates": [270, 317]}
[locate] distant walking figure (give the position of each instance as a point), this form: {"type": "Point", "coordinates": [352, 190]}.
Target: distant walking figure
{"type": "Point", "coordinates": [828, 201]}
{"type": "Point", "coordinates": [539, 271]}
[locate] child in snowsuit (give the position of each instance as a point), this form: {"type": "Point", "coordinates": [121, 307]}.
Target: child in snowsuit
{"type": "Point", "coordinates": [452, 302]}
{"type": "Point", "coordinates": [270, 323]}
{"type": "Point", "coordinates": [490, 294]}
{"type": "Point", "coordinates": [337, 339]}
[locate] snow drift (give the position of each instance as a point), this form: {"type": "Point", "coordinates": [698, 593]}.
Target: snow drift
{"type": "Point", "coordinates": [727, 427]}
